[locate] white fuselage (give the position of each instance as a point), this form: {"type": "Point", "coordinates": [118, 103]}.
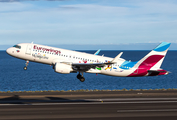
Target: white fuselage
{"type": "Point", "coordinates": [51, 55]}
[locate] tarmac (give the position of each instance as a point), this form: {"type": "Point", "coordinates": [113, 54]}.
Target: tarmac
{"type": "Point", "coordinates": [99, 105]}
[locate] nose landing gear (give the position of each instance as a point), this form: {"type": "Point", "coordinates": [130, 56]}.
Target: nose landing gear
{"type": "Point", "coordinates": [27, 62]}
{"type": "Point", "coordinates": [80, 77]}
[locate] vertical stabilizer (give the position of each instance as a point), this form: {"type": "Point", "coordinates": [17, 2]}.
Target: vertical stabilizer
{"type": "Point", "coordinates": [154, 59]}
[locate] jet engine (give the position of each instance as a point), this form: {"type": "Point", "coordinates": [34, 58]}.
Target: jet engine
{"type": "Point", "coordinates": [63, 68]}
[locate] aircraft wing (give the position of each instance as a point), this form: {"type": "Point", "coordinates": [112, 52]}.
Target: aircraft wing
{"type": "Point", "coordinates": [86, 66]}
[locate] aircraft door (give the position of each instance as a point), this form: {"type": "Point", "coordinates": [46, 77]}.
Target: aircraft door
{"type": "Point", "coordinates": [28, 49]}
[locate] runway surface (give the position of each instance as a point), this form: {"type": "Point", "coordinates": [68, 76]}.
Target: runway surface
{"type": "Point", "coordinates": [126, 105]}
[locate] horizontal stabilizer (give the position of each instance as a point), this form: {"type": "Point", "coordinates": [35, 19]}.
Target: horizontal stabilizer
{"type": "Point", "coordinates": [157, 72]}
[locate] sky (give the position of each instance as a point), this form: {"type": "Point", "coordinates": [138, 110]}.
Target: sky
{"type": "Point", "coordinates": [88, 22]}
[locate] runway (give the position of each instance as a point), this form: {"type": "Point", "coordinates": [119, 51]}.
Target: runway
{"type": "Point", "coordinates": [91, 105]}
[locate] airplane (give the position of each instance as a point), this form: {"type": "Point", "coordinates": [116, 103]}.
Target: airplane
{"type": "Point", "coordinates": [67, 61]}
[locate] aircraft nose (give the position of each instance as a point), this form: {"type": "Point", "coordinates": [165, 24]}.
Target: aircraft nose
{"type": "Point", "coordinates": [8, 51]}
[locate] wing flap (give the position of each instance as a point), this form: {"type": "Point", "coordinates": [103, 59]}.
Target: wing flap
{"type": "Point", "coordinates": [87, 66]}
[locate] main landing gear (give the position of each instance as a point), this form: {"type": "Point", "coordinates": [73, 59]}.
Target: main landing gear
{"type": "Point", "coordinates": [80, 77]}
{"type": "Point", "coordinates": [27, 62]}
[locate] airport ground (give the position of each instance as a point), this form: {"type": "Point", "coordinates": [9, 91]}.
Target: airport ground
{"type": "Point", "coordinates": [99, 105]}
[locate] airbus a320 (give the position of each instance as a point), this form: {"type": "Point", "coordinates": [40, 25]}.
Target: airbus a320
{"type": "Point", "coordinates": [68, 61]}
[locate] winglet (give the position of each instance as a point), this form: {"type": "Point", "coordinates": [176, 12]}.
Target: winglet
{"type": "Point", "coordinates": [116, 58]}
{"type": "Point", "coordinates": [97, 52]}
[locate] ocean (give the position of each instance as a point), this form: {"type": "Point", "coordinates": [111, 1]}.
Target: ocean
{"type": "Point", "coordinates": [42, 77]}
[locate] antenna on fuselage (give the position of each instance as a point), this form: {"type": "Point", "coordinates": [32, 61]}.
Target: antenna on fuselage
{"type": "Point", "coordinates": [32, 42]}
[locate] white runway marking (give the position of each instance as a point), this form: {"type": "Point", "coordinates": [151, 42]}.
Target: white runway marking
{"type": "Point", "coordinates": [163, 110]}
{"type": "Point", "coordinates": [130, 99]}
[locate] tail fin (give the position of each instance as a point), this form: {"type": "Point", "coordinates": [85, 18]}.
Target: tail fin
{"type": "Point", "coordinates": [154, 59]}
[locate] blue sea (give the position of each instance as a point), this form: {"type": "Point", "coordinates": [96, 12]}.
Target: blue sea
{"type": "Point", "coordinates": [42, 77]}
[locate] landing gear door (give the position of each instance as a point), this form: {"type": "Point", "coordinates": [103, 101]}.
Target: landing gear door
{"type": "Point", "coordinates": [28, 49]}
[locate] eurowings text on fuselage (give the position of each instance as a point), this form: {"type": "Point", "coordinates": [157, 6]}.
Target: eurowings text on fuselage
{"type": "Point", "coordinates": [67, 61]}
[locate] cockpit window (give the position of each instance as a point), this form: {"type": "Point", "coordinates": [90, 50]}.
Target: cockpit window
{"type": "Point", "coordinates": [17, 46]}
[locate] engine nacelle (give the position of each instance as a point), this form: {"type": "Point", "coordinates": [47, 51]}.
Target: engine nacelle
{"type": "Point", "coordinates": [63, 68]}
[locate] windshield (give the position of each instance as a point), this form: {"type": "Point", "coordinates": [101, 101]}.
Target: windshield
{"type": "Point", "coordinates": [17, 46]}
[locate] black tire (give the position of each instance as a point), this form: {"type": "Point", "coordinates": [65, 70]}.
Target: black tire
{"type": "Point", "coordinates": [25, 68]}
{"type": "Point", "coordinates": [82, 79]}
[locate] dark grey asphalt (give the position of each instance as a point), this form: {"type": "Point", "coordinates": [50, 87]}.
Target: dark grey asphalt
{"type": "Point", "coordinates": [40, 107]}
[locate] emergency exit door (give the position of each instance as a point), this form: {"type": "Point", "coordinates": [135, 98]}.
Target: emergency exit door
{"type": "Point", "coordinates": [28, 49]}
